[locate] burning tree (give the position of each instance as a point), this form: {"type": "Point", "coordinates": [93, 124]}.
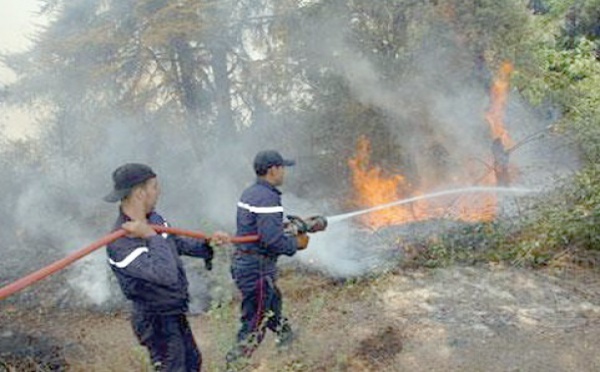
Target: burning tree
{"type": "Point", "coordinates": [373, 186]}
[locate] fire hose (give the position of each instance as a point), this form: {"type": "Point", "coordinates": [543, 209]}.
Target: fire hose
{"type": "Point", "coordinates": [36, 276]}
{"type": "Point", "coordinates": [311, 224]}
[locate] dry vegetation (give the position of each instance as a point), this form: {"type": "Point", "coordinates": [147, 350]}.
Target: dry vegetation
{"type": "Point", "coordinates": [484, 318]}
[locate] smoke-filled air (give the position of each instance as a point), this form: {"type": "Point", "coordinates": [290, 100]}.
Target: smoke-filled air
{"type": "Point", "coordinates": [377, 102]}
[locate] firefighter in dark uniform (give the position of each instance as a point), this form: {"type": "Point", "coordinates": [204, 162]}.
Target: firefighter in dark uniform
{"type": "Point", "coordinates": [254, 266]}
{"type": "Point", "coordinates": [150, 272]}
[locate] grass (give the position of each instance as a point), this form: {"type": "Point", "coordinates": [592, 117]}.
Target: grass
{"type": "Point", "coordinates": [343, 325]}
{"type": "Point", "coordinates": [313, 303]}
{"type": "Point", "coordinates": [340, 323]}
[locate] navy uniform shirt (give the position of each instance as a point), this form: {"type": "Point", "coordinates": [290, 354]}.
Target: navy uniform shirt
{"type": "Point", "coordinates": [259, 211]}
{"type": "Point", "coordinates": [150, 271]}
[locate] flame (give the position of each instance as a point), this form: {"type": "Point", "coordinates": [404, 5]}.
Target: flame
{"type": "Point", "coordinates": [373, 186]}
{"type": "Point", "coordinates": [499, 98]}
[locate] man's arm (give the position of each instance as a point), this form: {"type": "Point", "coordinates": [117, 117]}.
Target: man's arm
{"type": "Point", "coordinates": [270, 230]}
{"type": "Point", "coordinates": [192, 247]}
{"type": "Point", "coordinates": [185, 246]}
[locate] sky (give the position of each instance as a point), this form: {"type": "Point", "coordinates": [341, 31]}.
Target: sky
{"type": "Point", "coordinates": [18, 22]}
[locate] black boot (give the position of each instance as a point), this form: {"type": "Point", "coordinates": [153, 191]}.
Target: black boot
{"type": "Point", "coordinates": [285, 336]}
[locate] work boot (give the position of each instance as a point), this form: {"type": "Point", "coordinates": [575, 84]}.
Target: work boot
{"type": "Point", "coordinates": [285, 336]}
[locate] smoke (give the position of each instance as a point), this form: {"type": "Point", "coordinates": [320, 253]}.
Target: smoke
{"type": "Point", "coordinates": [436, 111]}
{"type": "Point", "coordinates": [436, 108]}
{"type": "Point", "coordinates": [339, 253]}
{"type": "Point", "coordinates": [57, 217]}
{"type": "Point", "coordinates": [60, 209]}
{"type": "Point", "coordinates": [438, 103]}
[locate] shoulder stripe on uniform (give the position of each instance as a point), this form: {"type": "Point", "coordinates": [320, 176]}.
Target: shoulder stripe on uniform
{"type": "Point", "coordinates": [130, 258]}
{"type": "Point", "coordinates": [253, 209]}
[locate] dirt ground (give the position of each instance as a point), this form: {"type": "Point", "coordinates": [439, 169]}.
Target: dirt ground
{"type": "Point", "coordinates": [496, 320]}
{"type": "Point", "coordinates": [485, 318]}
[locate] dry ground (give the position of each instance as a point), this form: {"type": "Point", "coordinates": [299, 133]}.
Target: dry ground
{"type": "Point", "coordinates": [487, 318]}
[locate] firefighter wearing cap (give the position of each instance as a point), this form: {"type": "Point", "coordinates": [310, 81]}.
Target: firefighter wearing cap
{"type": "Point", "coordinates": [150, 272]}
{"type": "Point", "coordinates": [254, 269]}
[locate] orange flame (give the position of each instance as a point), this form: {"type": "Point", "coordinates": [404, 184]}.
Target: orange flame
{"type": "Point", "coordinates": [373, 187]}
{"type": "Point", "coordinates": [499, 98]}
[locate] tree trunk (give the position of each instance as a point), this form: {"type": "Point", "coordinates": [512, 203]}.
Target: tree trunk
{"type": "Point", "coordinates": [225, 125]}
{"type": "Point", "coordinates": [183, 63]}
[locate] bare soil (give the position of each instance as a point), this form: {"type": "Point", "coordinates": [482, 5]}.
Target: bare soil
{"type": "Point", "coordinates": [485, 318]}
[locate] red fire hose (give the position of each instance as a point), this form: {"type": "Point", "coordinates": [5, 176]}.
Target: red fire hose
{"type": "Point", "coordinates": [36, 276]}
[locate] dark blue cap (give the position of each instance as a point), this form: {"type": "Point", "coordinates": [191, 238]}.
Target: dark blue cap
{"type": "Point", "coordinates": [126, 177]}
{"type": "Point", "coordinates": [269, 158]}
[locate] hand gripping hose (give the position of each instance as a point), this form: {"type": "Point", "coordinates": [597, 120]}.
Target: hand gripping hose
{"type": "Point", "coordinates": [36, 276]}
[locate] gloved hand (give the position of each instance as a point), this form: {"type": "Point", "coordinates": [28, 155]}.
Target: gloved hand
{"type": "Point", "coordinates": [302, 240]}
{"type": "Point", "coordinates": [219, 238]}
{"type": "Point", "coordinates": [208, 259]}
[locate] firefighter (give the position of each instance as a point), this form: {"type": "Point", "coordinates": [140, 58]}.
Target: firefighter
{"type": "Point", "coordinates": [150, 272]}
{"type": "Point", "coordinates": [254, 265]}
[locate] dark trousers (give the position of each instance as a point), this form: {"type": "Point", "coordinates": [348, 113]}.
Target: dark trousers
{"type": "Point", "coordinates": [169, 340]}
{"type": "Point", "coordinates": [261, 309]}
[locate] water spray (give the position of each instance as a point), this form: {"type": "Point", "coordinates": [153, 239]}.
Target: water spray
{"type": "Point", "coordinates": [298, 225]}
{"type": "Point", "coordinates": [513, 190]}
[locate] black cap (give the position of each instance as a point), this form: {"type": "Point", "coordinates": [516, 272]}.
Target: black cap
{"type": "Point", "coordinates": [269, 158]}
{"type": "Point", "coordinates": [126, 177]}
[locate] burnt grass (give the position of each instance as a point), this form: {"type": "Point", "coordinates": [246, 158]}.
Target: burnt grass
{"type": "Point", "coordinates": [27, 316]}
{"type": "Point", "coordinates": [30, 352]}
{"type": "Point", "coordinates": [25, 347]}
{"type": "Point", "coordinates": [367, 324]}
{"type": "Point", "coordinates": [381, 347]}
{"type": "Point", "coordinates": [24, 341]}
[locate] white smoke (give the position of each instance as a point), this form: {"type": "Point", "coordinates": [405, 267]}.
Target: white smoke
{"type": "Point", "coordinates": [63, 207]}
{"type": "Point", "coordinates": [338, 253]}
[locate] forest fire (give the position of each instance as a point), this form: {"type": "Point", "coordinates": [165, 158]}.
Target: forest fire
{"type": "Point", "coordinates": [373, 186]}
{"type": "Point", "coordinates": [499, 99]}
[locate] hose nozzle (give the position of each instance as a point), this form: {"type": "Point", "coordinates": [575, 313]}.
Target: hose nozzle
{"type": "Point", "coordinates": [313, 224]}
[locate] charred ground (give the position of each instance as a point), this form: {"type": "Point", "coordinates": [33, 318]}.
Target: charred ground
{"type": "Point", "coordinates": [475, 318]}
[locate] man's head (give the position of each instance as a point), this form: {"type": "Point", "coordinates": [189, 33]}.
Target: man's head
{"type": "Point", "coordinates": [134, 180]}
{"type": "Point", "coordinates": [269, 164]}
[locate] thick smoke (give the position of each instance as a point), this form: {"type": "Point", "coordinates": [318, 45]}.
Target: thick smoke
{"type": "Point", "coordinates": [62, 210]}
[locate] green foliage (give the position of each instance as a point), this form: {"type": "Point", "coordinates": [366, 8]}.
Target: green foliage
{"type": "Point", "coordinates": [467, 243]}
{"type": "Point", "coordinates": [567, 74]}
{"type": "Point", "coordinates": [566, 48]}
{"type": "Point", "coordinates": [564, 225]}
{"type": "Point", "coordinates": [491, 26]}
{"type": "Point", "coordinates": [582, 118]}
{"type": "Point", "coordinates": [569, 221]}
